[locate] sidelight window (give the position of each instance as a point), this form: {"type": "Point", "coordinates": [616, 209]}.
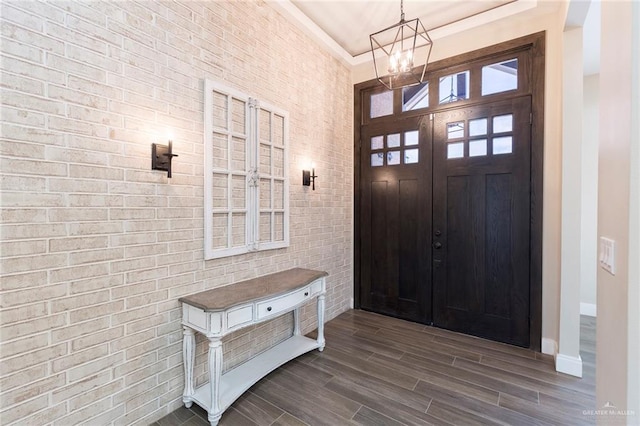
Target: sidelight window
{"type": "Point", "coordinates": [246, 200]}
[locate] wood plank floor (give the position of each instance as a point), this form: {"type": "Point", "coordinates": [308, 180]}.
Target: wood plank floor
{"type": "Point", "coordinates": [378, 370]}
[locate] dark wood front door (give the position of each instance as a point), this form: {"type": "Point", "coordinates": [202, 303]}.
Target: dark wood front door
{"type": "Point", "coordinates": [395, 219]}
{"type": "Point", "coordinates": [481, 220]}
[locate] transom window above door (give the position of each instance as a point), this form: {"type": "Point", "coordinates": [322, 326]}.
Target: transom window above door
{"type": "Point", "coordinates": [479, 81]}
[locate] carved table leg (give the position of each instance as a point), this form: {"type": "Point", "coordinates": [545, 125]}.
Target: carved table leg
{"type": "Point", "coordinates": [215, 372]}
{"type": "Point", "coordinates": [188, 356]}
{"type": "Point", "coordinates": [321, 322]}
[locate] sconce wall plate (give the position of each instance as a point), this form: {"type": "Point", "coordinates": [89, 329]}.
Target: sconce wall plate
{"type": "Point", "coordinates": [309, 178]}
{"type": "Point", "coordinates": [161, 156]}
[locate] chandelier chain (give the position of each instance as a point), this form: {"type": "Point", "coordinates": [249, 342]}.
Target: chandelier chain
{"type": "Point", "coordinates": [401, 10]}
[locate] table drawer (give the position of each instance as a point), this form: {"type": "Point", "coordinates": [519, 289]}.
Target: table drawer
{"type": "Point", "coordinates": [282, 303]}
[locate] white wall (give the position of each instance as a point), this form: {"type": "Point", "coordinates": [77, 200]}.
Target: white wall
{"type": "Point", "coordinates": [589, 210]}
{"type": "Point", "coordinates": [618, 325]}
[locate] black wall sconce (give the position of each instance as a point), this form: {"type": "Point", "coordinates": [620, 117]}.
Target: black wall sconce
{"type": "Point", "coordinates": [161, 156]}
{"type": "Point", "coordinates": [309, 178]}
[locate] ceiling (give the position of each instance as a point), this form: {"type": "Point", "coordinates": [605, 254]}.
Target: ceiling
{"type": "Point", "coordinates": [349, 22]}
{"type": "Point", "coordinates": [344, 26]}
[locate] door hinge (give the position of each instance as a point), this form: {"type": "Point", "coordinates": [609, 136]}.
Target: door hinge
{"type": "Point", "coordinates": [431, 117]}
{"type": "Point", "coordinates": [530, 118]}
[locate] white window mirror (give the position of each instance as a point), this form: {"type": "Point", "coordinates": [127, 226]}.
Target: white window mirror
{"type": "Point", "coordinates": [246, 196]}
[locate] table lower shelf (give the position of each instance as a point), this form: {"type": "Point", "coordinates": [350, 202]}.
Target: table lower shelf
{"type": "Point", "coordinates": [235, 382]}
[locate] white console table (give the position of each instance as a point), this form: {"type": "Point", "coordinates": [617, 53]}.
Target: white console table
{"type": "Point", "coordinates": [220, 311]}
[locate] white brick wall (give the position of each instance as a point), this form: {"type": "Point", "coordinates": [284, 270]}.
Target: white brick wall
{"type": "Point", "coordinates": [96, 247]}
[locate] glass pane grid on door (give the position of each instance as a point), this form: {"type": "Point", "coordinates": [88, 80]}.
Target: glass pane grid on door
{"type": "Point", "coordinates": [480, 137]}
{"type": "Point", "coordinates": [394, 149]}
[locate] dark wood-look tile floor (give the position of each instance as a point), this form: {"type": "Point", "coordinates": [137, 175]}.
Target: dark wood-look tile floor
{"type": "Point", "coordinates": [378, 370]}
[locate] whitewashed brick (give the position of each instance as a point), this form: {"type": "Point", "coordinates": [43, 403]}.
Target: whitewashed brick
{"type": "Point", "coordinates": [13, 265]}
{"type": "Point", "coordinates": [31, 134]}
{"type": "Point", "coordinates": [22, 84]}
{"type": "Point", "coordinates": [26, 199]}
{"type": "Point", "coordinates": [23, 410]}
{"type": "Point", "coordinates": [22, 248]}
{"type": "Point", "coordinates": [22, 313]}
{"type": "Point", "coordinates": [78, 358]}
{"type": "Point", "coordinates": [108, 417]}
{"type": "Point", "coordinates": [31, 295]}
{"type": "Point", "coordinates": [79, 301]}
{"type": "Point", "coordinates": [22, 116]}
{"type": "Point", "coordinates": [77, 243]}
{"type": "Point", "coordinates": [95, 228]}
{"type": "Point", "coordinates": [78, 215]}
{"type": "Point", "coordinates": [97, 338]}
{"type": "Point", "coordinates": [41, 417]}
{"type": "Point", "coordinates": [31, 102]}
{"type": "Point", "coordinates": [22, 149]}
{"type": "Point", "coordinates": [91, 12]}
{"type": "Point", "coordinates": [67, 392]}
{"type": "Point", "coordinates": [95, 394]}
{"type": "Point", "coordinates": [25, 280]}
{"type": "Point", "coordinates": [92, 172]}
{"type": "Point", "coordinates": [133, 314]}
{"type": "Point", "coordinates": [31, 70]}
{"type": "Point", "coordinates": [11, 365]}
{"type": "Point", "coordinates": [93, 367]}
{"type": "Point", "coordinates": [125, 74]}
{"type": "Point", "coordinates": [141, 57]}
{"type": "Point", "coordinates": [31, 390]}
{"type": "Point", "coordinates": [93, 144]}
{"type": "Point", "coordinates": [32, 38]}
{"type": "Point", "coordinates": [92, 256]}
{"type": "Point", "coordinates": [100, 33]}
{"type": "Point", "coordinates": [132, 265]}
{"type": "Point", "coordinates": [22, 51]}
{"type": "Point", "coordinates": [148, 250]}
{"type": "Point", "coordinates": [75, 156]}
{"type": "Point", "coordinates": [78, 126]}
{"type": "Point", "coordinates": [76, 97]}
{"type": "Point", "coordinates": [26, 344]}
{"type": "Point", "coordinates": [78, 272]}
{"type": "Point", "coordinates": [12, 14]}
{"type": "Point", "coordinates": [94, 116]}
{"type": "Point", "coordinates": [149, 322]}
{"type": "Point", "coordinates": [79, 416]}
{"type": "Point", "coordinates": [134, 364]}
{"type": "Point", "coordinates": [63, 33]}
{"type": "Point", "coordinates": [136, 413]}
{"type": "Point", "coordinates": [95, 311]}
{"type": "Point", "coordinates": [93, 284]}
{"type": "Point", "coordinates": [26, 375]}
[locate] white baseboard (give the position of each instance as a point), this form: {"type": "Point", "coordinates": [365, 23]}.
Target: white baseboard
{"type": "Point", "coordinates": [569, 365]}
{"type": "Point", "coordinates": [549, 346]}
{"type": "Point", "coordinates": [588, 309]}
{"type": "Point", "coordinates": [351, 303]}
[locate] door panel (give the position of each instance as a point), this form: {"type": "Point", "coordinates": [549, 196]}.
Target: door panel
{"type": "Point", "coordinates": [395, 218]}
{"type": "Point", "coordinates": [481, 205]}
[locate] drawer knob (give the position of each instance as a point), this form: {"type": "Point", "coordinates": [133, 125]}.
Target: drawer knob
{"type": "Point", "coordinates": [306, 293]}
{"type": "Point", "coordinates": [268, 308]}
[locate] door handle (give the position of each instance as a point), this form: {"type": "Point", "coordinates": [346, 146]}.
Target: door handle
{"type": "Point", "coordinates": [437, 245]}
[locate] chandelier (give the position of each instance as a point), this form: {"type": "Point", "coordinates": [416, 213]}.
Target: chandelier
{"type": "Point", "coordinates": [396, 47]}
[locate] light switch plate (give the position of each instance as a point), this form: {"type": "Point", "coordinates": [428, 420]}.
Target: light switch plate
{"type": "Point", "coordinates": [608, 255]}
